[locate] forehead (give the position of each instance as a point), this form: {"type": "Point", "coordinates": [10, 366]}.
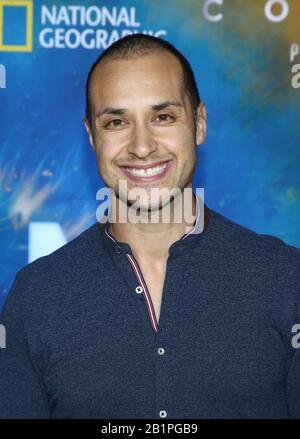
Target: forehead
{"type": "Point", "coordinates": [157, 75]}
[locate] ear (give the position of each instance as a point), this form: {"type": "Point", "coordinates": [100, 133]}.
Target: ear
{"type": "Point", "coordinates": [89, 131]}
{"type": "Point", "coordinates": [201, 128]}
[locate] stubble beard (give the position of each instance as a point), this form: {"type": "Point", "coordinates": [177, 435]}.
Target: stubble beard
{"type": "Point", "coordinates": [158, 206]}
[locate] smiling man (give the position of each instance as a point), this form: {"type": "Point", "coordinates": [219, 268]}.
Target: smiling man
{"type": "Point", "coordinates": [153, 319]}
{"type": "Point", "coordinates": [144, 127]}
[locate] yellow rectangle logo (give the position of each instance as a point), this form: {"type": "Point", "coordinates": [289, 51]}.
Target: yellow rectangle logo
{"type": "Point", "coordinates": [27, 47]}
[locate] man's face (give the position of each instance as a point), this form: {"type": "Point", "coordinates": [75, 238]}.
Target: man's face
{"type": "Point", "coordinates": [143, 129]}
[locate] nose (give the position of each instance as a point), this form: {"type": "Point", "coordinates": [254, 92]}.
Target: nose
{"type": "Point", "coordinates": [141, 141]}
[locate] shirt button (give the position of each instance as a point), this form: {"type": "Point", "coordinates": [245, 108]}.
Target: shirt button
{"type": "Point", "coordinates": [118, 250]}
{"type": "Point", "coordinates": [139, 290]}
{"type": "Point", "coordinates": [163, 414]}
{"type": "Point", "coordinates": [160, 351]}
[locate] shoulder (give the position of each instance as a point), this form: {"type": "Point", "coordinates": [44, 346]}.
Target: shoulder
{"type": "Point", "coordinates": [68, 263]}
{"type": "Point", "coordinates": [46, 292]}
{"type": "Point", "coordinates": [242, 245]}
{"type": "Point", "coordinates": [262, 267]}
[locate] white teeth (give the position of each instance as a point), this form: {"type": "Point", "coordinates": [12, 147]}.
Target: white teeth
{"type": "Point", "coordinates": [146, 172]}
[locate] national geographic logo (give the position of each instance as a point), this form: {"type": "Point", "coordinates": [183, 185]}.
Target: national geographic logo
{"type": "Point", "coordinates": [65, 26]}
{"type": "Point", "coordinates": [23, 9]}
{"type": "Point", "coordinates": [72, 26]}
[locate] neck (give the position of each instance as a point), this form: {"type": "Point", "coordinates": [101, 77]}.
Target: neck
{"type": "Point", "coordinates": [152, 240]}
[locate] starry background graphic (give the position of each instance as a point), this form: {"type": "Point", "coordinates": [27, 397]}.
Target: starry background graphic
{"type": "Point", "coordinates": [249, 164]}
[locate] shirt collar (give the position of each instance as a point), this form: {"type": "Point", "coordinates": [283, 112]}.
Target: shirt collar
{"type": "Point", "coordinates": [187, 240]}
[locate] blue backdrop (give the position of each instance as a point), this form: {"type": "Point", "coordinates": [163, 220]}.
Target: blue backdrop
{"type": "Point", "coordinates": [242, 53]}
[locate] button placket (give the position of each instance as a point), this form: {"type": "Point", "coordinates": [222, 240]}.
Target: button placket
{"type": "Point", "coordinates": [142, 287]}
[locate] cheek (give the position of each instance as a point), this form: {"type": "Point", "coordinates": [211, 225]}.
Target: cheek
{"type": "Point", "coordinates": [108, 147]}
{"type": "Point", "coordinates": [177, 139]}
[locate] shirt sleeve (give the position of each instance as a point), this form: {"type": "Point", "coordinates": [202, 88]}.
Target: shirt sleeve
{"type": "Point", "coordinates": [22, 392]}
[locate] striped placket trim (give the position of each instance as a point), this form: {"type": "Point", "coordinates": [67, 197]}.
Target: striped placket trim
{"type": "Point", "coordinates": [146, 293]}
{"type": "Point", "coordinates": [142, 284]}
{"type": "Point", "coordinates": [140, 277]}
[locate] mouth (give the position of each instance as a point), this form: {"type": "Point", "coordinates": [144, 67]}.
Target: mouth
{"type": "Point", "coordinates": [150, 173]}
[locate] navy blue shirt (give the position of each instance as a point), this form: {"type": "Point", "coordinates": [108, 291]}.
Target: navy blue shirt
{"type": "Point", "coordinates": [81, 343]}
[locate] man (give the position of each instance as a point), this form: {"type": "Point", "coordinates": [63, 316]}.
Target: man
{"type": "Point", "coordinates": [153, 320]}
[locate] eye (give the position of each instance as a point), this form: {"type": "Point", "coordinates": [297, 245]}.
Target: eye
{"type": "Point", "coordinates": [115, 123]}
{"type": "Point", "coordinates": [164, 117]}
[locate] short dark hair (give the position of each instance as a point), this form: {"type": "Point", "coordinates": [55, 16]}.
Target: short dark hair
{"type": "Point", "coordinates": [139, 45]}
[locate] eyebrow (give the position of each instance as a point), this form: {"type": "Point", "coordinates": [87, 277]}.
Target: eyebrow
{"type": "Point", "coordinates": [156, 107]}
